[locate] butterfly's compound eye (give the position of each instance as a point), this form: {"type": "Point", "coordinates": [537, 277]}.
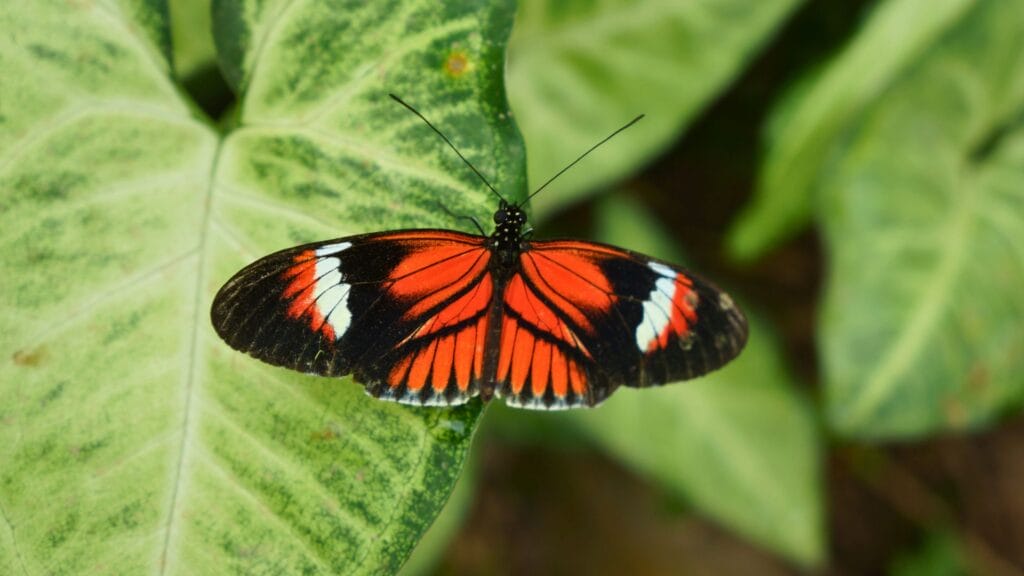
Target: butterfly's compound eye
{"type": "Point", "coordinates": [500, 217]}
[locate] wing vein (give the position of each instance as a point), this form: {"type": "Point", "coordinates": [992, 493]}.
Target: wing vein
{"type": "Point", "coordinates": [611, 296]}
{"type": "Point", "coordinates": [380, 298]}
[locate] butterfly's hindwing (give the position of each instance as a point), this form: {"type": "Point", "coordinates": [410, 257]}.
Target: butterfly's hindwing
{"type": "Point", "coordinates": [541, 362]}
{"type": "Point", "coordinates": [437, 357]}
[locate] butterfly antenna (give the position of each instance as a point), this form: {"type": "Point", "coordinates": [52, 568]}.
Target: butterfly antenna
{"type": "Point", "coordinates": [449, 143]}
{"type": "Point", "coordinates": [582, 156]}
{"type": "Point", "coordinates": [462, 217]}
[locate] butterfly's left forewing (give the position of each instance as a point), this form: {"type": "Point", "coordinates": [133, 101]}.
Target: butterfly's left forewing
{"type": "Point", "coordinates": [405, 312]}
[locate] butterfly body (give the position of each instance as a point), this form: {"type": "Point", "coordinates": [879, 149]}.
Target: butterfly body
{"type": "Point", "coordinates": [436, 317]}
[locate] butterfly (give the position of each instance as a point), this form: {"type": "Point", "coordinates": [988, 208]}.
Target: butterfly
{"type": "Point", "coordinates": [434, 317]}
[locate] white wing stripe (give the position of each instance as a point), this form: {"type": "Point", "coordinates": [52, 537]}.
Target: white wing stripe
{"type": "Point", "coordinates": [657, 307]}
{"type": "Point", "coordinates": [331, 293]}
{"type": "Point", "coordinates": [331, 249]}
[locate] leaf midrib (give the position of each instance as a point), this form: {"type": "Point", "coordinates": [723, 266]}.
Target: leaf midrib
{"type": "Point", "coordinates": [191, 377]}
{"type": "Point", "coordinates": [917, 330]}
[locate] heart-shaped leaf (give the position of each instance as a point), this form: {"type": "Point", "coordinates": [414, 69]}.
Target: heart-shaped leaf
{"type": "Point", "coordinates": [131, 439]}
{"type": "Point", "coordinates": [578, 70]}
{"type": "Point", "coordinates": [924, 221]}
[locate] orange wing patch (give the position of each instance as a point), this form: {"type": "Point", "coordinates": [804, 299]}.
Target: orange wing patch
{"type": "Point", "coordinates": [535, 352]}
{"type": "Point", "coordinates": [450, 355]}
{"type": "Point", "coordinates": [573, 274]}
{"type": "Point", "coordinates": [433, 276]}
{"type": "Point", "coordinates": [454, 357]}
{"type": "Point", "coordinates": [462, 308]}
{"type": "Point", "coordinates": [302, 290]}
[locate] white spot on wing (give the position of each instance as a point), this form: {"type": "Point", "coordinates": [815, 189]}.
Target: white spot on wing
{"type": "Point", "coordinates": [413, 398]}
{"type": "Point", "coordinates": [326, 271]}
{"type": "Point", "coordinates": [725, 302]}
{"type": "Point", "coordinates": [657, 307]}
{"type": "Point", "coordinates": [335, 308]}
{"type": "Point", "coordinates": [661, 269]}
{"type": "Point", "coordinates": [330, 249]}
{"type": "Point", "coordinates": [436, 400]}
{"type": "Point", "coordinates": [535, 403]}
{"type": "Point", "coordinates": [331, 295]}
{"type": "Point", "coordinates": [325, 282]}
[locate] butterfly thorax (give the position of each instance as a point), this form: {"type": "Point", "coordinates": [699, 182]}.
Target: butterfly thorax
{"type": "Point", "coordinates": [506, 241]}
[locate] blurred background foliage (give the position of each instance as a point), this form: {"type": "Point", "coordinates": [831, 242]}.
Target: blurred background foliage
{"type": "Point", "coordinates": [854, 172]}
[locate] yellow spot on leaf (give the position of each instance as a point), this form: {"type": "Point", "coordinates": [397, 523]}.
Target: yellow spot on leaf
{"type": "Point", "coordinates": [457, 64]}
{"type": "Point", "coordinates": [328, 433]}
{"type": "Point", "coordinates": [29, 357]}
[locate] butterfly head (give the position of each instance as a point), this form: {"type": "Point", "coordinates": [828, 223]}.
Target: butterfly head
{"type": "Point", "coordinates": [509, 220]}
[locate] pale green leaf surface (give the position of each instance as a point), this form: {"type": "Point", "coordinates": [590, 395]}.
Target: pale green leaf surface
{"type": "Point", "coordinates": [810, 123]}
{"type": "Point", "coordinates": [741, 444]}
{"type": "Point", "coordinates": [921, 329]}
{"type": "Point", "coordinates": [580, 69]}
{"type": "Point", "coordinates": [132, 439]}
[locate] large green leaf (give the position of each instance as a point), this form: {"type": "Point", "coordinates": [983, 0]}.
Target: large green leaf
{"type": "Point", "coordinates": [579, 69]}
{"type": "Point", "coordinates": [131, 439]}
{"type": "Point", "coordinates": [741, 444]}
{"type": "Point", "coordinates": [924, 221]}
{"type": "Point", "coordinates": [810, 123]}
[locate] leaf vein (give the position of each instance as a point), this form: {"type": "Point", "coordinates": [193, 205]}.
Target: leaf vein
{"type": "Point", "coordinates": [14, 539]}
{"type": "Point", "coordinates": [87, 307]}
{"type": "Point", "coordinates": [232, 479]}
{"type": "Point", "coordinates": [190, 378]}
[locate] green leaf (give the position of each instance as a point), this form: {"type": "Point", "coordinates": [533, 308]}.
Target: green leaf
{"type": "Point", "coordinates": [435, 541]}
{"type": "Point", "coordinates": [810, 123]}
{"type": "Point", "coordinates": [921, 325]}
{"type": "Point", "coordinates": [741, 444]}
{"type": "Point", "coordinates": [580, 69]}
{"type": "Point", "coordinates": [192, 37]}
{"type": "Point", "coordinates": [132, 439]}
